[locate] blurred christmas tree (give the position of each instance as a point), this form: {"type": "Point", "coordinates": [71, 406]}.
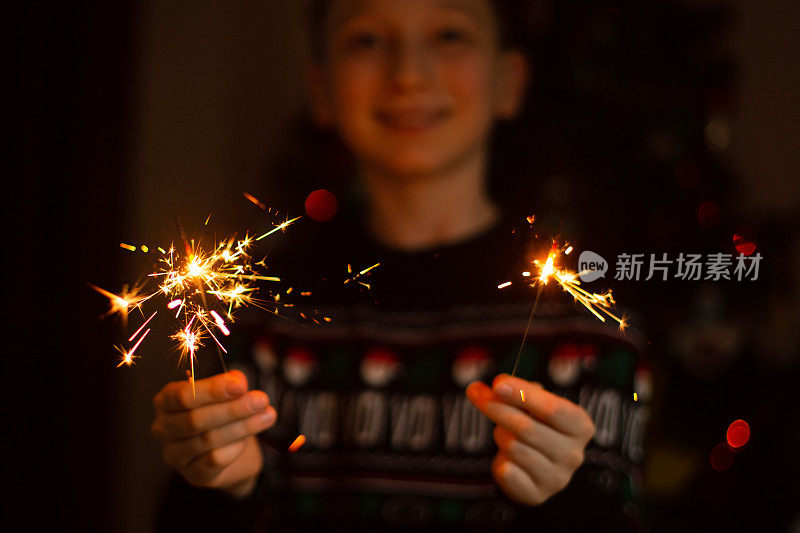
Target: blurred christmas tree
{"type": "Point", "coordinates": [623, 145]}
{"type": "Point", "coordinates": [627, 112]}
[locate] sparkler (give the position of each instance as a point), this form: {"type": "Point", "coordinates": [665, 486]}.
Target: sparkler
{"type": "Point", "coordinates": [181, 282]}
{"type": "Point", "coordinates": [599, 304]}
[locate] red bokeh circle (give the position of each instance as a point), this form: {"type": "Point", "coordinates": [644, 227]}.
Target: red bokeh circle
{"type": "Point", "coordinates": [744, 240]}
{"type": "Point", "coordinates": [738, 434]}
{"type": "Point", "coordinates": [709, 214]}
{"type": "Point", "coordinates": [321, 205]}
{"type": "Point", "coordinates": [721, 457]}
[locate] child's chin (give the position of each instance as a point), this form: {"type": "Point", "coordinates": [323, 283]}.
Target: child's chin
{"type": "Point", "coordinates": [424, 157]}
{"type": "Point", "coordinates": [414, 165]}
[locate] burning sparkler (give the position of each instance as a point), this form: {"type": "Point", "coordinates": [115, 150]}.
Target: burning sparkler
{"type": "Point", "coordinates": [226, 273]}
{"type": "Point", "coordinates": [599, 304]}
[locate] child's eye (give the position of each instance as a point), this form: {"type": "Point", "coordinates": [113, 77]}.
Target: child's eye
{"type": "Point", "coordinates": [452, 35]}
{"type": "Point", "coordinates": [364, 41]}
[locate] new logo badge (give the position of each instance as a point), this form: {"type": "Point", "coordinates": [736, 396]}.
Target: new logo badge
{"type": "Point", "coordinates": [591, 266]}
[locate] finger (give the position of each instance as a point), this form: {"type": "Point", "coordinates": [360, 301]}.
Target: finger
{"type": "Point", "coordinates": [185, 424]}
{"type": "Point", "coordinates": [555, 411]}
{"type": "Point", "coordinates": [526, 428]}
{"type": "Point", "coordinates": [205, 468]}
{"type": "Point", "coordinates": [180, 396]}
{"type": "Point", "coordinates": [180, 453]}
{"type": "Point", "coordinates": [549, 477]}
{"type": "Point", "coordinates": [515, 482]}
{"type": "Point", "coordinates": [534, 462]}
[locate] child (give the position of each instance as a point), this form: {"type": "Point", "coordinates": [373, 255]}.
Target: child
{"type": "Point", "coordinates": [413, 88]}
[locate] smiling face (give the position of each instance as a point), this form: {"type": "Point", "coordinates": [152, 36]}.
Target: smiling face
{"type": "Point", "coordinates": [413, 86]}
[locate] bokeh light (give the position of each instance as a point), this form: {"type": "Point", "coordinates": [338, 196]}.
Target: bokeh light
{"type": "Point", "coordinates": [321, 205]}
{"type": "Point", "coordinates": [738, 434]}
{"type": "Point", "coordinates": [744, 240]}
{"type": "Point", "coordinates": [718, 134]}
{"type": "Point", "coordinates": [721, 457]}
{"type": "Point", "coordinates": [709, 214]}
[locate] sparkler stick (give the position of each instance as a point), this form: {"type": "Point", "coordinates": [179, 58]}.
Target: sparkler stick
{"type": "Point", "coordinates": [527, 327]}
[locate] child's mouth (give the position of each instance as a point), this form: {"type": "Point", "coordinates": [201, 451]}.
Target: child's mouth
{"type": "Point", "coordinates": [411, 121]}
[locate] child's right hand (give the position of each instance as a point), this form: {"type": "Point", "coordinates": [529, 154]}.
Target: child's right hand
{"type": "Point", "coordinates": [211, 439]}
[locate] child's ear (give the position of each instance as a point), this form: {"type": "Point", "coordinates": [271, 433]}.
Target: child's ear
{"type": "Point", "coordinates": [512, 80]}
{"type": "Point", "coordinates": [318, 96]}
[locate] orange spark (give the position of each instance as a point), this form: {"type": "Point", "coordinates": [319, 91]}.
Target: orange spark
{"type": "Point", "coordinates": [298, 442]}
{"type": "Point", "coordinates": [255, 200]}
{"type": "Point", "coordinates": [220, 323]}
{"type": "Point", "coordinates": [121, 303]}
{"type": "Point", "coordinates": [361, 273]}
{"type": "Point", "coordinates": [142, 326]}
{"type": "Point", "coordinates": [127, 356]}
{"type": "Point", "coordinates": [280, 227]}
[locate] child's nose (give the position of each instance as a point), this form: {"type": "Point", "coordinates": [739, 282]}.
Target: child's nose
{"type": "Point", "coordinates": [411, 66]}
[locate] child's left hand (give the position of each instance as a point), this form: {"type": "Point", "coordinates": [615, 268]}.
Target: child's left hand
{"type": "Point", "coordinates": [540, 436]}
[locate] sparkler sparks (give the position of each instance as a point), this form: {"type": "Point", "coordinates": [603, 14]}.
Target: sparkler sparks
{"type": "Point", "coordinates": [297, 443]}
{"type": "Point", "coordinates": [188, 342]}
{"type": "Point", "coordinates": [181, 281]}
{"type": "Point", "coordinates": [121, 304]}
{"type": "Point", "coordinates": [127, 355]}
{"type": "Point", "coordinates": [280, 227]}
{"type": "Point", "coordinates": [599, 304]}
{"type": "Point", "coordinates": [142, 327]}
{"type": "Point", "coordinates": [360, 273]}
{"type": "Point", "coordinates": [255, 200]}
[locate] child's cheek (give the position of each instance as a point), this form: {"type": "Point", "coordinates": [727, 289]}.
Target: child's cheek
{"type": "Point", "coordinates": [354, 87]}
{"type": "Point", "coordinates": [469, 82]}
{"type": "Point", "coordinates": [354, 90]}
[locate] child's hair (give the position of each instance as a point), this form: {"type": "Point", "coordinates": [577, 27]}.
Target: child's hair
{"type": "Point", "coordinates": [505, 11]}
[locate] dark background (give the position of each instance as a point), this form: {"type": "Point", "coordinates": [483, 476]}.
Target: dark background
{"type": "Point", "coordinates": [125, 116]}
